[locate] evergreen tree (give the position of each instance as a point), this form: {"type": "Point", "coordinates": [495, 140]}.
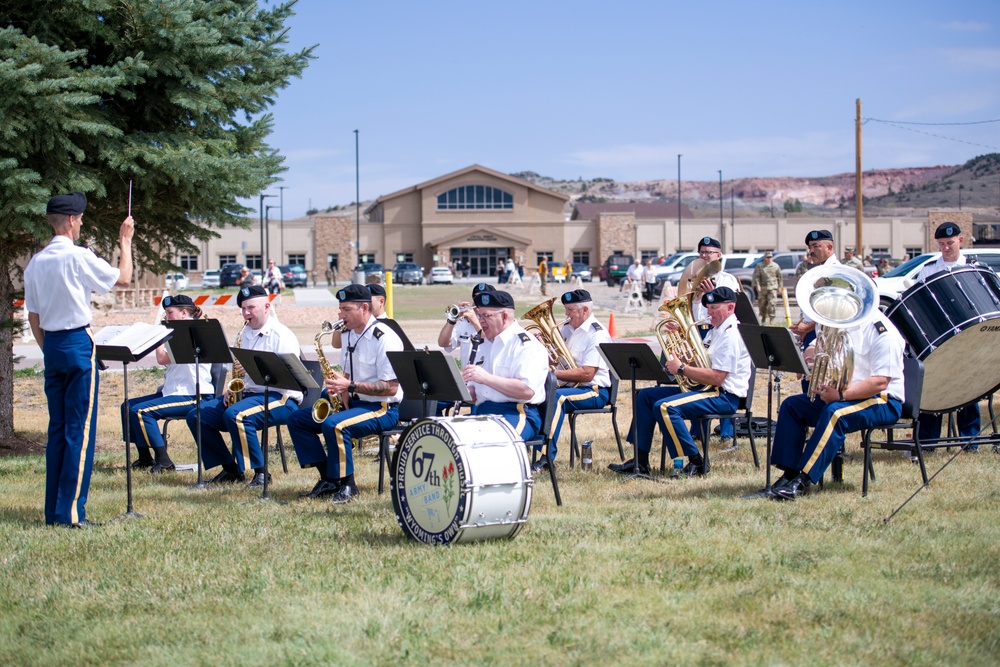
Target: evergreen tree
{"type": "Point", "coordinates": [170, 94]}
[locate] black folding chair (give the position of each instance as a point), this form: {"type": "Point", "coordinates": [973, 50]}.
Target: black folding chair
{"type": "Point", "coordinates": [545, 432]}
{"type": "Point", "coordinates": [611, 408]}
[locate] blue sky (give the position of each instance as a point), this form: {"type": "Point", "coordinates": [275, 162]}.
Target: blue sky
{"type": "Point", "coordinates": [619, 89]}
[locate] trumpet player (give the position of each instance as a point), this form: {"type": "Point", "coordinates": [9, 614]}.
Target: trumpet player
{"type": "Point", "coordinates": [583, 334]}
{"type": "Point", "coordinates": [462, 326]}
{"type": "Point", "coordinates": [727, 380]}
{"type": "Point", "coordinates": [873, 398]}
{"type": "Point", "coordinates": [370, 394]}
{"type": "Point", "coordinates": [245, 418]}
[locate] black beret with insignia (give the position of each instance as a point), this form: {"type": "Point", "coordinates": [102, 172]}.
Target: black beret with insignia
{"type": "Point", "coordinates": [818, 235]}
{"type": "Point", "coordinates": [482, 287]}
{"type": "Point", "coordinates": [947, 230]}
{"type": "Point", "coordinates": [251, 292]}
{"type": "Point", "coordinates": [708, 241]}
{"type": "Point", "coordinates": [376, 290]}
{"type": "Point", "coordinates": [719, 295]}
{"type": "Point", "coordinates": [354, 292]}
{"type": "Point", "coordinates": [178, 301]}
{"type": "Point", "coordinates": [73, 203]}
{"type": "Point", "coordinates": [495, 299]}
{"type": "Point", "coordinates": [576, 296]}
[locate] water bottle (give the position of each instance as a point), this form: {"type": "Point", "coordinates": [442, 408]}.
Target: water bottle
{"type": "Point", "coordinates": [678, 466]}
{"type": "Point", "coordinates": [587, 455]}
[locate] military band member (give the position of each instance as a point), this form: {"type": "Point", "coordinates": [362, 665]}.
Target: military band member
{"type": "Point", "coordinates": [949, 239]}
{"type": "Point", "coordinates": [58, 283]}
{"type": "Point", "coordinates": [174, 399]}
{"type": "Point", "coordinates": [767, 281]}
{"type": "Point", "coordinates": [727, 379]}
{"type": "Point", "coordinates": [820, 244]}
{"type": "Point", "coordinates": [369, 390]}
{"type": "Point", "coordinates": [378, 310]}
{"type": "Point", "coordinates": [245, 419]}
{"type": "Point", "coordinates": [460, 332]}
{"type": "Point", "coordinates": [874, 398]}
{"type": "Point", "coordinates": [511, 380]}
{"type": "Point", "coordinates": [583, 334]}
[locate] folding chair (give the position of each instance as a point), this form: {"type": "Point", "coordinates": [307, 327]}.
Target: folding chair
{"type": "Point", "coordinates": [913, 381]}
{"type": "Point", "coordinates": [310, 397]}
{"type": "Point", "coordinates": [611, 408]}
{"type": "Point", "coordinates": [219, 374]}
{"type": "Point", "coordinates": [545, 432]}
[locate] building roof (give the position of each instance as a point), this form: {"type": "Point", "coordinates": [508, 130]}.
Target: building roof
{"type": "Point", "coordinates": [643, 210]}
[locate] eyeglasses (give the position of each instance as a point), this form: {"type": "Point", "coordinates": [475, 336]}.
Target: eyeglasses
{"type": "Point", "coordinates": [486, 315]}
{"type": "Point", "coordinates": [709, 252]}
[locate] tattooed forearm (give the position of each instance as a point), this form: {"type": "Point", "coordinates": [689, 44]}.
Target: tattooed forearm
{"type": "Point", "coordinates": [377, 388]}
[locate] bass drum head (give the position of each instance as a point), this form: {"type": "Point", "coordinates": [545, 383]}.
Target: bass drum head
{"type": "Point", "coordinates": [963, 369]}
{"type": "Point", "coordinates": [447, 469]}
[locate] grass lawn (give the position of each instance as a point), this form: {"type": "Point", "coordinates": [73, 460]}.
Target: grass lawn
{"type": "Point", "coordinates": [681, 572]}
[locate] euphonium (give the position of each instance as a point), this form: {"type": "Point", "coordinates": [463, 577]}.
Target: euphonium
{"type": "Point", "coordinates": [679, 337]}
{"type": "Point", "coordinates": [236, 383]}
{"type": "Point", "coordinates": [322, 408]}
{"type": "Point", "coordinates": [544, 326]}
{"type": "Point", "coordinates": [836, 298]}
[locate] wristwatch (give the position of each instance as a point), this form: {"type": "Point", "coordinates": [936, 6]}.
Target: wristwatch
{"type": "Point", "coordinates": [680, 370]}
{"type": "Point", "coordinates": [352, 388]}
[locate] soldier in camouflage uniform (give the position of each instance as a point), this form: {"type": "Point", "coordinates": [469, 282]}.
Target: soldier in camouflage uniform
{"type": "Point", "coordinates": [767, 281]}
{"type": "Point", "coordinates": [852, 261]}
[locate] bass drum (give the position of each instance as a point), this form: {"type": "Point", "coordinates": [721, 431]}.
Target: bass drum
{"type": "Point", "coordinates": [461, 479]}
{"type": "Point", "coordinates": [952, 323]}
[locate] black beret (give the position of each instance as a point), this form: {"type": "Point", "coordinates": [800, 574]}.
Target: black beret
{"type": "Point", "coordinates": [178, 301]}
{"type": "Point", "coordinates": [495, 299]}
{"type": "Point", "coordinates": [483, 287]}
{"type": "Point", "coordinates": [74, 203]}
{"type": "Point", "coordinates": [947, 230]}
{"type": "Point", "coordinates": [818, 235]}
{"type": "Point", "coordinates": [576, 296]}
{"type": "Point", "coordinates": [710, 242]}
{"type": "Point", "coordinates": [376, 289]}
{"type": "Point", "coordinates": [354, 292]}
{"type": "Point", "coordinates": [719, 295]}
{"type": "Point", "coordinates": [251, 292]}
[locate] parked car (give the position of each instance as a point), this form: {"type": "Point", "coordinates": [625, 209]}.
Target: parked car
{"type": "Point", "coordinates": [675, 264]}
{"type": "Point", "coordinates": [739, 260]}
{"type": "Point", "coordinates": [730, 263]}
{"type": "Point", "coordinates": [558, 272]}
{"type": "Point", "coordinates": [582, 271]}
{"type": "Point", "coordinates": [210, 278]}
{"type": "Point", "coordinates": [787, 261]}
{"type": "Point", "coordinates": [440, 274]}
{"type": "Point", "coordinates": [373, 269]}
{"type": "Point", "coordinates": [177, 281]}
{"type": "Point", "coordinates": [894, 283]}
{"type": "Point", "coordinates": [408, 273]}
{"type": "Point", "coordinates": [258, 277]}
{"type": "Point", "coordinates": [229, 275]}
{"type": "Point", "coordinates": [615, 267]}
{"type": "Point", "coordinates": [293, 275]}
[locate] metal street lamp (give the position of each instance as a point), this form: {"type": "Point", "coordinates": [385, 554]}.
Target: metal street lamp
{"type": "Point", "coordinates": [678, 202]}
{"type": "Point", "coordinates": [722, 225]}
{"type": "Point", "coordinates": [262, 198]}
{"type": "Point", "coordinates": [281, 206]}
{"type": "Point", "coordinates": [357, 196]}
{"type": "Point", "coordinates": [267, 236]}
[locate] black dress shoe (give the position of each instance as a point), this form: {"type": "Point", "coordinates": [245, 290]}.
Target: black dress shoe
{"type": "Point", "coordinates": [258, 481]}
{"type": "Point", "coordinates": [83, 524]}
{"type": "Point", "coordinates": [143, 462]}
{"type": "Point", "coordinates": [793, 489]}
{"type": "Point", "coordinates": [162, 467]}
{"type": "Point", "coordinates": [322, 489]}
{"type": "Point", "coordinates": [539, 466]}
{"type": "Point", "coordinates": [345, 494]}
{"type": "Point", "coordinates": [226, 477]}
{"type": "Point", "coordinates": [628, 468]}
{"type": "Point", "coordinates": [690, 470]}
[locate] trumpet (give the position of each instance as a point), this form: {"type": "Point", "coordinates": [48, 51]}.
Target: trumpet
{"type": "Point", "coordinates": [454, 310]}
{"type": "Point", "coordinates": [236, 384]}
{"type": "Point", "coordinates": [322, 408]}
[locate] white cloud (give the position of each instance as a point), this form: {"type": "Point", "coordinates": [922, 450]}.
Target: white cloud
{"type": "Point", "coordinates": [968, 26]}
{"type": "Point", "coordinates": [976, 59]}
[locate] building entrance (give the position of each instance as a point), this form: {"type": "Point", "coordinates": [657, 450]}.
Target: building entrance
{"type": "Point", "coordinates": [482, 261]}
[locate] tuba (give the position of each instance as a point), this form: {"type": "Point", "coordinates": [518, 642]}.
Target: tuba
{"type": "Point", "coordinates": [545, 328]}
{"type": "Point", "coordinates": [322, 408]}
{"type": "Point", "coordinates": [837, 298]}
{"type": "Point", "coordinates": [236, 384]}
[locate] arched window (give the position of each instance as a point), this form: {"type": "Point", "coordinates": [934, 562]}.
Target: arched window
{"type": "Point", "coordinates": [475, 197]}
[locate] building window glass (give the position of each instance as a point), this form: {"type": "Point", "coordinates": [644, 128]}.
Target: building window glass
{"type": "Point", "coordinates": [226, 259]}
{"type": "Point", "coordinates": [189, 262]}
{"type": "Point", "coordinates": [475, 197]}
{"type": "Point", "coordinates": [582, 256]}
{"type": "Point", "coordinates": [914, 251]}
{"type": "Point", "coordinates": [404, 256]}
{"type": "Point", "coordinates": [253, 262]}
{"type": "Point", "coordinates": [539, 256]}
{"type": "Point", "coordinates": [648, 254]}
{"type": "Point", "coordinates": [297, 259]}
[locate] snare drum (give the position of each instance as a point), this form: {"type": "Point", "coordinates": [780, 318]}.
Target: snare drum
{"type": "Point", "coordinates": [461, 479]}
{"type": "Point", "coordinates": [952, 323]}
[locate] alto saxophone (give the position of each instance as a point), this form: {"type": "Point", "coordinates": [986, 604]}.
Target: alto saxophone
{"type": "Point", "coordinates": [323, 407]}
{"type": "Point", "coordinates": [236, 383]}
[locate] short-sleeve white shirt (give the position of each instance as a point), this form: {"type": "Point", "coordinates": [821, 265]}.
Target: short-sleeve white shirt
{"type": "Point", "coordinates": [726, 352]}
{"type": "Point", "coordinates": [58, 282]}
{"type": "Point", "coordinates": [514, 353]}
{"type": "Point", "coordinates": [930, 268]}
{"type": "Point", "coordinates": [878, 351]}
{"type": "Point", "coordinates": [370, 361]}
{"type": "Point", "coordinates": [583, 345]}
{"type": "Point", "coordinates": [272, 337]}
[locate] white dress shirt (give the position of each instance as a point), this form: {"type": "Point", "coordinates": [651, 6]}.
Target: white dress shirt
{"type": "Point", "coordinates": [514, 353]}
{"type": "Point", "coordinates": [58, 282]}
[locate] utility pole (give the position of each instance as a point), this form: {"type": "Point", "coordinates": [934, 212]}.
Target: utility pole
{"type": "Point", "coordinates": [722, 225]}
{"type": "Point", "coordinates": [281, 207]}
{"type": "Point", "coordinates": [858, 198]}
{"type": "Point", "coordinates": [678, 202]}
{"type": "Point", "coordinates": [357, 196]}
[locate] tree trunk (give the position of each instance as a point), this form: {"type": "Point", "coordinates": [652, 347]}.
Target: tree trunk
{"type": "Point", "coordinates": [9, 328]}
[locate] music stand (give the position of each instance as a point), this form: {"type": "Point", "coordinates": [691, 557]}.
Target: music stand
{"type": "Point", "coordinates": [195, 342]}
{"type": "Point", "coordinates": [126, 355]}
{"type": "Point", "coordinates": [773, 348]}
{"type": "Point", "coordinates": [429, 374]}
{"type": "Point", "coordinates": [744, 309]}
{"type": "Point", "coordinates": [276, 370]}
{"type": "Point", "coordinates": [635, 361]}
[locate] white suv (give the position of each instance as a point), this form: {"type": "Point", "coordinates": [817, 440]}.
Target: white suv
{"type": "Point", "coordinates": [894, 283]}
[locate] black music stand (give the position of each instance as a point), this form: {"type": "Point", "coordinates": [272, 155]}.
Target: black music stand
{"type": "Point", "coordinates": [196, 342]}
{"type": "Point", "coordinates": [127, 352]}
{"type": "Point", "coordinates": [773, 348]}
{"type": "Point", "coordinates": [744, 309]}
{"type": "Point", "coordinates": [634, 361]}
{"type": "Point", "coordinates": [275, 370]}
{"type": "Point", "coordinates": [430, 375]}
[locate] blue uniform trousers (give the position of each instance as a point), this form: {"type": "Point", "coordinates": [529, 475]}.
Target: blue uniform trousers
{"type": "Point", "coordinates": [833, 421]}
{"type": "Point", "coordinates": [145, 411]}
{"type": "Point", "coordinates": [340, 431]}
{"type": "Point", "coordinates": [523, 417]}
{"type": "Point", "coordinates": [668, 407]}
{"type": "Point", "coordinates": [71, 382]}
{"type": "Point", "coordinates": [242, 421]}
{"type": "Point", "coordinates": [727, 427]}
{"type": "Point", "coordinates": [569, 399]}
{"type": "Point", "coordinates": [967, 419]}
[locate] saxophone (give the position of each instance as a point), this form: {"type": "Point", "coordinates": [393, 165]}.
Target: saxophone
{"type": "Point", "coordinates": [323, 407]}
{"type": "Point", "coordinates": [236, 383]}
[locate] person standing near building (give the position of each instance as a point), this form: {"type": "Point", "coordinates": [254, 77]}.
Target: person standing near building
{"type": "Point", "coordinates": [543, 274]}
{"type": "Point", "coordinates": [767, 281]}
{"type": "Point", "coordinates": [648, 280]}
{"type": "Point", "coordinates": [850, 259]}
{"type": "Point", "coordinates": [58, 282]}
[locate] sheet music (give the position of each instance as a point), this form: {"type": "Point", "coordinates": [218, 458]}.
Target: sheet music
{"type": "Point", "coordinates": [138, 337]}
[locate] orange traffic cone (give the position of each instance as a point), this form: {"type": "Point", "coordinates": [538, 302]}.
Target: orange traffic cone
{"type": "Point", "coordinates": [612, 329]}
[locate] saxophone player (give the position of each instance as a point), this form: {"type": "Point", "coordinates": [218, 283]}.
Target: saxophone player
{"type": "Point", "coordinates": [245, 418]}
{"type": "Point", "coordinates": [873, 398]}
{"type": "Point", "coordinates": [583, 334]}
{"type": "Point", "coordinates": [726, 379]}
{"type": "Point", "coordinates": [370, 393]}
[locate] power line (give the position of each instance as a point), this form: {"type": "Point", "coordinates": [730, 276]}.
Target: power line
{"type": "Point", "coordinates": [903, 122]}
{"type": "Point", "coordinates": [900, 125]}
